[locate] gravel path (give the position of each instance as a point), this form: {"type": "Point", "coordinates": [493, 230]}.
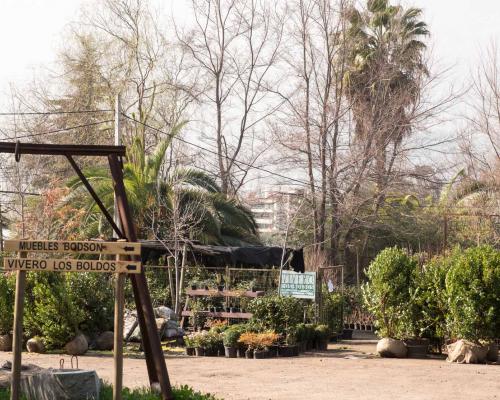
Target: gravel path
{"type": "Point", "coordinates": [347, 371]}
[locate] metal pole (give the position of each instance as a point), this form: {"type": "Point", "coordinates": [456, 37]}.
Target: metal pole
{"type": "Point", "coordinates": [155, 361]}
{"type": "Point", "coordinates": [1, 229]}
{"type": "Point", "coordinates": [118, 142]}
{"type": "Point", "coordinates": [18, 332]}
{"type": "Point", "coordinates": [118, 338]}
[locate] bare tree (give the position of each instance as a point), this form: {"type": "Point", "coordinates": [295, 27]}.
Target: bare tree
{"type": "Point", "coordinates": [234, 46]}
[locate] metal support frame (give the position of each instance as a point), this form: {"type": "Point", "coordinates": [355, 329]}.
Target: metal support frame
{"type": "Point", "coordinates": [155, 361]}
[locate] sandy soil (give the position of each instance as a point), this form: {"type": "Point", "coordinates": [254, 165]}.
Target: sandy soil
{"type": "Point", "coordinates": [346, 371]}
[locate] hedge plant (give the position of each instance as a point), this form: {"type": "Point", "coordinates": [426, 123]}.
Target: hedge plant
{"type": "Point", "coordinates": [276, 313]}
{"type": "Point", "coordinates": [472, 289]}
{"type": "Point", "coordinates": [388, 292]}
{"type": "Point", "coordinates": [7, 288]}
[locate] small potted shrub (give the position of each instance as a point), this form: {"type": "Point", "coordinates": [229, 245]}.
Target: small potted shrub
{"type": "Point", "coordinates": [310, 336]}
{"type": "Point", "coordinates": [249, 340]}
{"type": "Point", "coordinates": [199, 343]}
{"type": "Point", "coordinates": [301, 335]}
{"type": "Point", "coordinates": [190, 342]}
{"type": "Point", "coordinates": [264, 342]}
{"type": "Point", "coordinates": [289, 346]}
{"type": "Point", "coordinates": [322, 334]}
{"type": "Point", "coordinates": [231, 337]}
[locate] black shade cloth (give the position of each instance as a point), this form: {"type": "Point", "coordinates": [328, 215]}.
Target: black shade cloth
{"type": "Point", "coordinates": [220, 256]}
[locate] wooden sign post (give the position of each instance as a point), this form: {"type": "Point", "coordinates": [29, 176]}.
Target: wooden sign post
{"type": "Point", "coordinates": [120, 266]}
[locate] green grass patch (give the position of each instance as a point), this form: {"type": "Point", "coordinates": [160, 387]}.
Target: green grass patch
{"type": "Point", "coordinates": [180, 393]}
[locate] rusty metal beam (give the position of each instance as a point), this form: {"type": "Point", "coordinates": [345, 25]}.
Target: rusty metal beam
{"type": "Point", "coordinates": [62, 149]}
{"type": "Point", "coordinates": [94, 195]}
{"type": "Point", "coordinates": [155, 361]}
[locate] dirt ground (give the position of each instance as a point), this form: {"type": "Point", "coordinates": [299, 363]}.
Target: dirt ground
{"type": "Point", "coordinates": [347, 371]}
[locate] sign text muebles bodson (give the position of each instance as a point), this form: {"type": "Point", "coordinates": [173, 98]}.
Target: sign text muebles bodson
{"type": "Point", "coordinates": [60, 246]}
{"type": "Point", "coordinates": [68, 265]}
{"type": "Point", "coordinates": [299, 285]}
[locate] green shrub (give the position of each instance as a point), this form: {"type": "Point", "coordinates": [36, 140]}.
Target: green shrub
{"type": "Point", "coordinates": [51, 311]}
{"type": "Point", "coordinates": [277, 313]}
{"type": "Point", "coordinates": [7, 289]}
{"type": "Point", "coordinates": [333, 304]}
{"type": "Point", "coordinates": [183, 392]}
{"type": "Point", "coordinates": [388, 292]}
{"type": "Point", "coordinates": [472, 287]}
{"type": "Point", "coordinates": [433, 299]}
{"type": "Point", "coordinates": [231, 336]}
{"type": "Point", "coordinates": [322, 332]}
{"type": "Point", "coordinates": [93, 294]}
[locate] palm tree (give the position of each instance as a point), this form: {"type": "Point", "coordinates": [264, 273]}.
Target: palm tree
{"type": "Point", "coordinates": [164, 200]}
{"type": "Point", "coordinates": [384, 77]}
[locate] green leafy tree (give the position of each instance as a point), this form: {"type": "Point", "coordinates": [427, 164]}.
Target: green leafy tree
{"type": "Point", "coordinates": [162, 198]}
{"type": "Point", "coordinates": [7, 284]}
{"type": "Point", "coordinates": [384, 78]}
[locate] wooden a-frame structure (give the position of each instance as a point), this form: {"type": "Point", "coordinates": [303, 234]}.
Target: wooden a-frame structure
{"type": "Point", "coordinates": [155, 361]}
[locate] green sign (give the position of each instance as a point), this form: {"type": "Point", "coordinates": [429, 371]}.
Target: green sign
{"type": "Point", "coordinates": [299, 285]}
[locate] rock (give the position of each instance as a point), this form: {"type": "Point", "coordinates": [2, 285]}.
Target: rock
{"type": "Point", "coordinates": [35, 345]}
{"type": "Point", "coordinates": [465, 352]}
{"type": "Point", "coordinates": [164, 312]}
{"type": "Point", "coordinates": [492, 354]}
{"type": "Point", "coordinates": [105, 341]}
{"type": "Point", "coordinates": [130, 323]}
{"type": "Point", "coordinates": [5, 343]}
{"type": "Point", "coordinates": [391, 348]}
{"type": "Point", "coordinates": [161, 325]}
{"type": "Point", "coordinates": [77, 346]}
{"type": "Point", "coordinates": [50, 384]}
{"type": "Point", "coordinates": [173, 330]}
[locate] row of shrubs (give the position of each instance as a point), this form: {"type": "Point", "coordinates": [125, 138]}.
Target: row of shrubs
{"type": "Point", "coordinates": [277, 322]}
{"type": "Point", "coordinates": [250, 340]}
{"type": "Point", "coordinates": [59, 305]}
{"type": "Point", "coordinates": [453, 296]}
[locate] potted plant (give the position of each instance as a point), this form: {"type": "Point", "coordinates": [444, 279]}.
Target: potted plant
{"type": "Point", "coordinates": [322, 334]}
{"type": "Point", "coordinates": [231, 337]}
{"type": "Point", "coordinates": [199, 343]}
{"type": "Point", "coordinates": [473, 314]}
{"type": "Point", "coordinates": [190, 343]}
{"type": "Point", "coordinates": [289, 346]}
{"type": "Point", "coordinates": [387, 294]}
{"type": "Point", "coordinates": [301, 335]}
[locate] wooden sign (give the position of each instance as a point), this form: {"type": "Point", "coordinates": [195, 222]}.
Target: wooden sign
{"type": "Point", "coordinates": [68, 265]}
{"type": "Point", "coordinates": [62, 246]}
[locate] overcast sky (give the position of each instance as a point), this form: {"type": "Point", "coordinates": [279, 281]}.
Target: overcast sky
{"type": "Point", "coordinates": [30, 32]}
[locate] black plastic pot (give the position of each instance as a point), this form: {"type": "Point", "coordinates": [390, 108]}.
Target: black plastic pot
{"type": "Point", "coordinates": [322, 344]}
{"type": "Point", "coordinates": [220, 288]}
{"type": "Point", "coordinates": [200, 351]}
{"type": "Point", "coordinates": [190, 351]}
{"type": "Point", "coordinates": [273, 351]}
{"type": "Point", "coordinates": [417, 348]}
{"type": "Point", "coordinates": [211, 352]}
{"type": "Point", "coordinates": [194, 287]}
{"type": "Point", "coordinates": [347, 334]}
{"type": "Point", "coordinates": [260, 354]}
{"type": "Point", "coordinates": [230, 352]}
{"type": "Point", "coordinates": [249, 353]}
{"type": "Point", "coordinates": [288, 351]}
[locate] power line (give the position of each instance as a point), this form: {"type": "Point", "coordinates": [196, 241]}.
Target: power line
{"type": "Point", "coordinates": [54, 112]}
{"type": "Point", "coordinates": [61, 130]}
{"type": "Point", "coordinates": [215, 153]}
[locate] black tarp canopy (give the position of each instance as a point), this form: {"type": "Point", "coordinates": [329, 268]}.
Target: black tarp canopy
{"type": "Point", "coordinates": [221, 256]}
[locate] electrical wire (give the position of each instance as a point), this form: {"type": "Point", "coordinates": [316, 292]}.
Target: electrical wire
{"type": "Point", "coordinates": [54, 112]}
{"type": "Point", "coordinates": [61, 130]}
{"type": "Point", "coordinates": [215, 153]}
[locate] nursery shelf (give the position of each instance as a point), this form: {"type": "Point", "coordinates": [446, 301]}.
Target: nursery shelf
{"type": "Point", "coordinates": [222, 314]}
{"type": "Point", "coordinates": [223, 293]}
